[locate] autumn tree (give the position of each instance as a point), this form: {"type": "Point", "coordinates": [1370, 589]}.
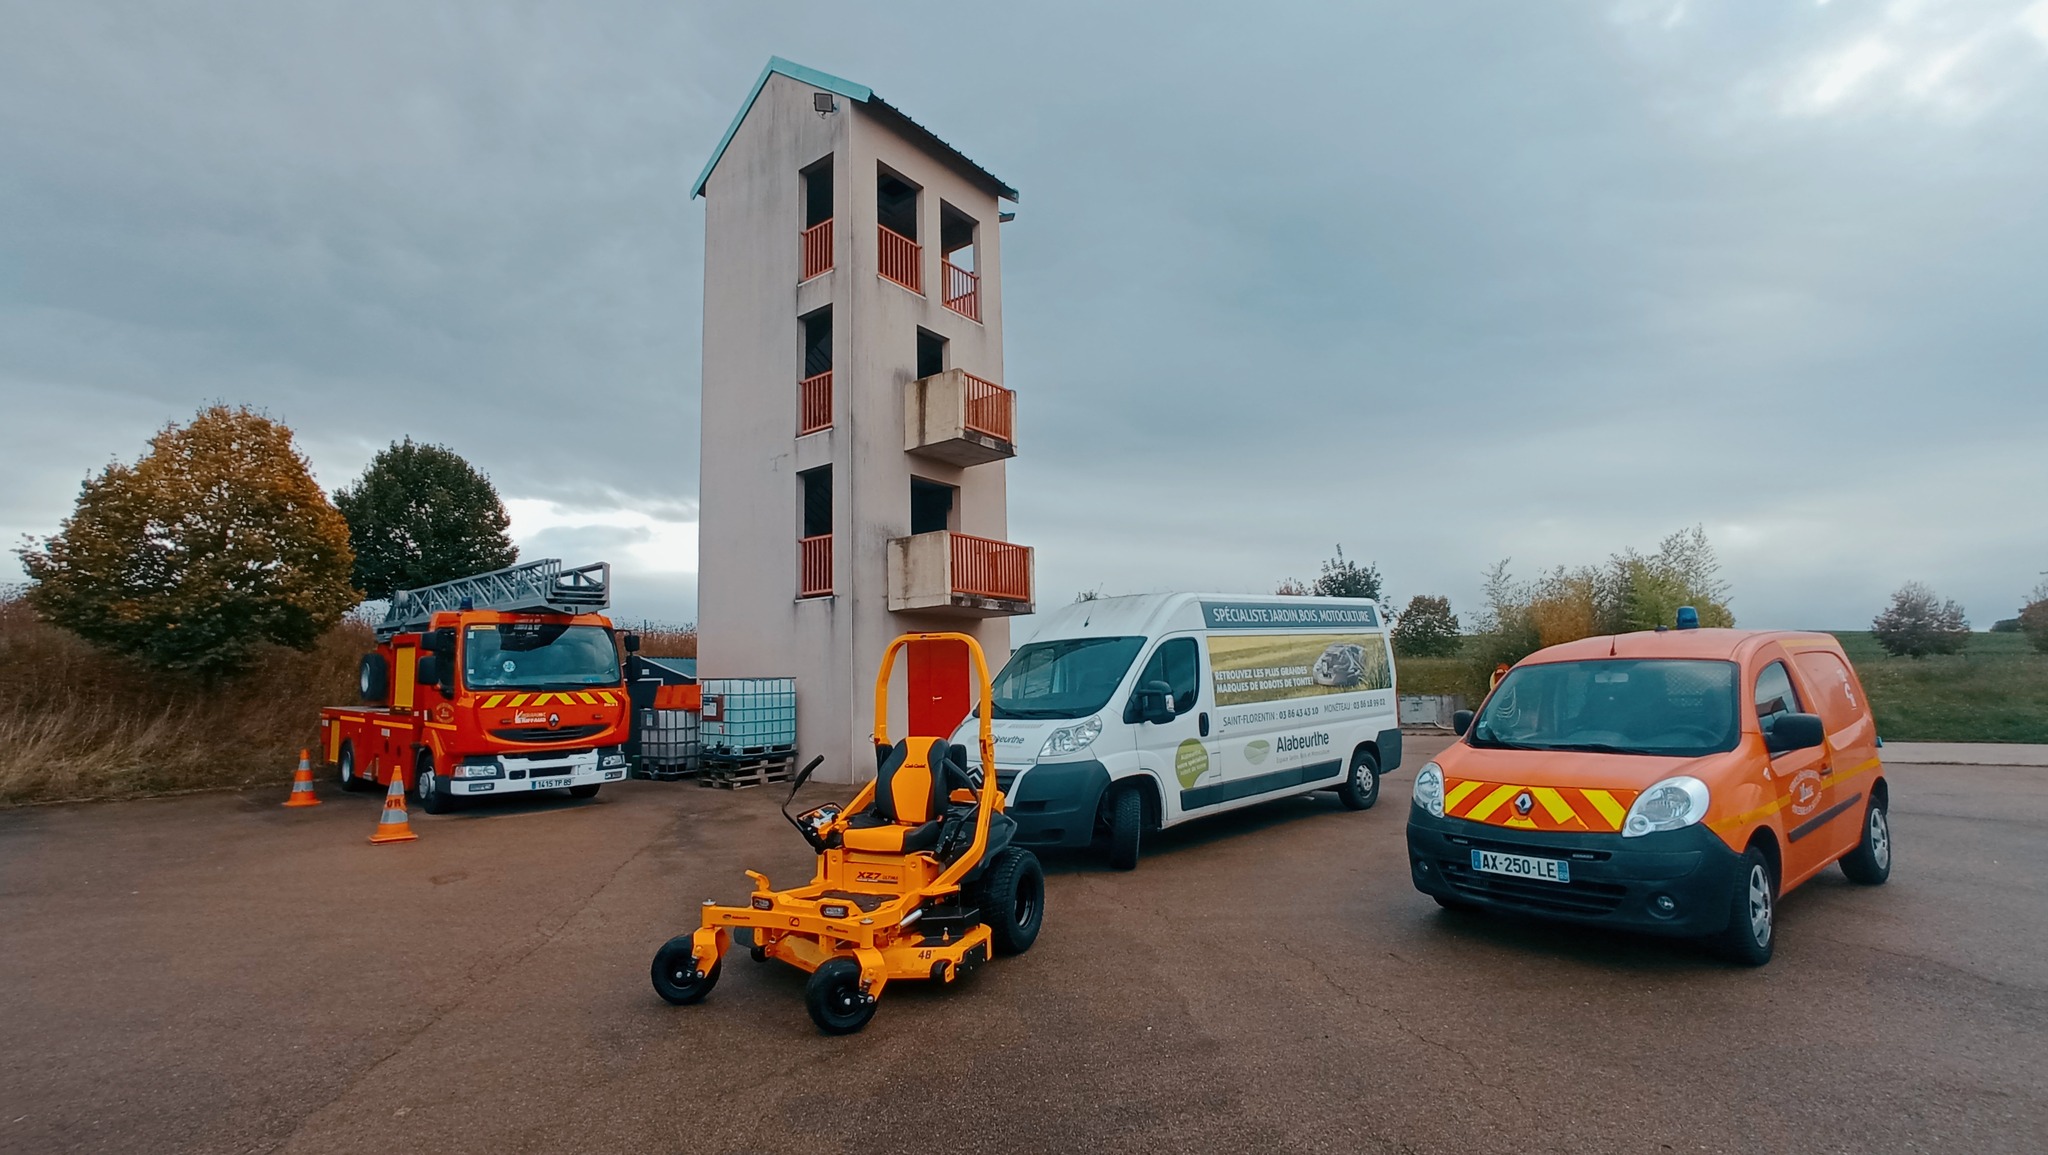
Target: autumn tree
{"type": "Point", "coordinates": [1427, 628]}
{"type": "Point", "coordinates": [217, 540]}
{"type": "Point", "coordinates": [420, 514]}
{"type": "Point", "coordinates": [1919, 622]}
{"type": "Point", "coordinates": [2034, 618]}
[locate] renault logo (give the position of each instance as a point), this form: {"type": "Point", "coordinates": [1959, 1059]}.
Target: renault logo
{"type": "Point", "coordinates": [1524, 802]}
{"type": "Point", "coordinates": [555, 720]}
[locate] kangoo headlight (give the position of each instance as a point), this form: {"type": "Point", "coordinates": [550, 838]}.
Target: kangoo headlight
{"type": "Point", "coordinates": [1672, 804]}
{"type": "Point", "coordinates": [1429, 789]}
{"type": "Point", "coordinates": [1071, 739]}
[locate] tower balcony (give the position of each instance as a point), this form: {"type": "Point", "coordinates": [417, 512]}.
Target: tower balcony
{"type": "Point", "coordinates": [960, 419]}
{"type": "Point", "coordinates": [959, 574]}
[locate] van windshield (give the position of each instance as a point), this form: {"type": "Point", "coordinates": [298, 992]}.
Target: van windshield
{"type": "Point", "coordinates": [1069, 678]}
{"type": "Point", "coordinates": [1667, 707]}
{"type": "Point", "coordinates": [540, 655]}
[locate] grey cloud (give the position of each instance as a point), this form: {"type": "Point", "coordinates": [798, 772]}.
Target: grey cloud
{"type": "Point", "coordinates": [1441, 283]}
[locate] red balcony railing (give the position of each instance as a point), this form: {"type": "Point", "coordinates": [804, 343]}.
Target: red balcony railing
{"type": "Point", "coordinates": [814, 403]}
{"type": "Point", "coordinates": [984, 568]}
{"type": "Point", "coordinates": [963, 290]}
{"type": "Point", "coordinates": [991, 409]}
{"type": "Point", "coordinates": [817, 249]}
{"type": "Point", "coordinates": [815, 562]}
{"type": "Point", "coordinates": [902, 260]}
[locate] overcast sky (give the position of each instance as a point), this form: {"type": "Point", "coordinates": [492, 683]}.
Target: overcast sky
{"type": "Point", "coordinates": [1442, 282]}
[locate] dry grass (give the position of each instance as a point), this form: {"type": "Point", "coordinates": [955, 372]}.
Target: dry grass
{"type": "Point", "coordinates": [78, 723]}
{"type": "Point", "coordinates": [658, 641]}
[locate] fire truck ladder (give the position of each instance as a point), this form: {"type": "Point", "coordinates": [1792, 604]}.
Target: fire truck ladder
{"type": "Point", "coordinates": [532, 588]}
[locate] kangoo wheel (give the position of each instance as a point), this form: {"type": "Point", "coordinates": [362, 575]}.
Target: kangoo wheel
{"type": "Point", "coordinates": [1752, 930]}
{"type": "Point", "coordinates": [835, 1000]}
{"type": "Point", "coordinates": [676, 977]}
{"type": "Point", "coordinates": [1871, 862]}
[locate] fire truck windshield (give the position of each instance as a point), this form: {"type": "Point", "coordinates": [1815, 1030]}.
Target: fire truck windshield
{"type": "Point", "coordinates": [538, 656]}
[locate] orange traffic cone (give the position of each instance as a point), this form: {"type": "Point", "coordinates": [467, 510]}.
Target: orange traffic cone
{"type": "Point", "coordinates": [302, 783]}
{"type": "Point", "coordinates": [392, 826]}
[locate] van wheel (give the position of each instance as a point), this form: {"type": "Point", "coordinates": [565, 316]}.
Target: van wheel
{"type": "Point", "coordinates": [1871, 862]}
{"type": "Point", "coordinates": [1752, 913]}
{"type": "Point", "coordinates": [1362, 787]}
{"type": "Point", "coordinates": [350, 780]}
{"type": "Point", "coordinates": [1126, 827]}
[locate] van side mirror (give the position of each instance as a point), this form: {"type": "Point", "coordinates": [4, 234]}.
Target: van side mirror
{"type": "Point", "coordinates": [1461, 721]}
{"type": "Point", "coordinates": [441, 641]}
{"type": "Point", "coordinates": [1791, 732]}
{"type": "Point", "coordinates": [428, 671]}
{"type": "Point", "coordinates": [1155, 703]}
{"type": "Point", "coordinates": [632, 643]}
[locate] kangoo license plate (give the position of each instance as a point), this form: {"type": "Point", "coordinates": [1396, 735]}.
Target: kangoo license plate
{"type": "Point", "coordinates": [1522, 866]}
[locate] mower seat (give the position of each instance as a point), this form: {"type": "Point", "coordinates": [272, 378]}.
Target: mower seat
{"type": "Point", "coordinates": [910, 801]}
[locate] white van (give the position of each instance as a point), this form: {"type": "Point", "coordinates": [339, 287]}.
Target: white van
{"type": "Point", "coordinates": [1134, 713]}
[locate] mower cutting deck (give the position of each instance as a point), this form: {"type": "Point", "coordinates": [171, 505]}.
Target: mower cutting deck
{"type": "Point", "coordinates": [916, 879]}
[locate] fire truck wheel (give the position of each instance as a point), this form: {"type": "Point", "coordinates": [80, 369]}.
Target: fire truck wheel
{"type": "Point", "coordinates": [350, 780]}
{"type": "Point", "coordinates": [434, 797]}
{"type": "Point", "coordinates": [589, 791]}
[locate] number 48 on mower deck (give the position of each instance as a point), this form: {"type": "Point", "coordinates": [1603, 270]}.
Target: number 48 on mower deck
{"type": "Point", "coordinates": [916, 879]}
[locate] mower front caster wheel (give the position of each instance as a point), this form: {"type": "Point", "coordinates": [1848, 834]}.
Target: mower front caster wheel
{"type": "Point", "coordinates": [835, 1000]}
{"type": "Point", "coordinates": [676, 977]}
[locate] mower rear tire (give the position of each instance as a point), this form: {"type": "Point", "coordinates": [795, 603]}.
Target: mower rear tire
{"type": "Point", "coordinates": [1126, 827]}
{"type": "Point", "coordinates": [1362, 785]}
{"type": "Point", "coordinates": [835, 1000]}
{"type": "Point", "coordinates": [1012, 900]}
{"type": "Point", "coordinates": [674, 964]}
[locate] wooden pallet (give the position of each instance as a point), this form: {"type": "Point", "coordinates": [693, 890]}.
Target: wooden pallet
{"type": "Point", "coordinates": [739, 774]}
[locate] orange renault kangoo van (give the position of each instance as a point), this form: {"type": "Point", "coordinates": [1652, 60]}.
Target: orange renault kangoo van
{"type": "Point", "coordinates": [1676, 782]}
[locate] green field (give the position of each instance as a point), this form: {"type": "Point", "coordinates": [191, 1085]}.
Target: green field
{"type": "Point", "coordinates": [1996, 691]}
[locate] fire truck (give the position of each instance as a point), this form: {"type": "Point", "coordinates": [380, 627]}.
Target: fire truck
{"type": "Point", "coordinates": [506, 682]}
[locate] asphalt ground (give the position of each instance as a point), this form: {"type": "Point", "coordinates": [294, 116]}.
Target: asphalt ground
{"type": "Point", "coordinates": [217, 974]}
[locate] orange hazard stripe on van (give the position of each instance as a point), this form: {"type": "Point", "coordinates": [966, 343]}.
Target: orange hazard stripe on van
{"type": "Point", "coordinates": [1549, 807]}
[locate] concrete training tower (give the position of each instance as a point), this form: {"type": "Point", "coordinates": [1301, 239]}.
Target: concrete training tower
{"type": "Point", "coordinates": [855, 425]}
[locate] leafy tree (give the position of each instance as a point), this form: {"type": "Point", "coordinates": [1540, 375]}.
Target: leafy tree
{"type": "Point", "coordinates": [215, 541]}
{"type": "Point", "coordinates": [1293, 588]}
{"type": "Point", "coordinates": [420, 514]}
{"type": "Point", "coordinates": [1343, 578]}
{"type": "Point", "coordinates": [1427, 629]}
{"type": "Point", "coordinates": [1918, 623]}
{"type": "Point", "coordinates": [1094, 595]}
{"type": "Point", "coordinates": [2034, 618]}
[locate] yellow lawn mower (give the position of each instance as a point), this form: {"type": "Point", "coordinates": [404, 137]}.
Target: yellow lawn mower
{"type": "Point", "coordinates": [916, 879]}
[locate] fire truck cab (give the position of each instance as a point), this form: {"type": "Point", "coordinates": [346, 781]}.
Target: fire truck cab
{"type": "Point", "coordinates": [505, 682]}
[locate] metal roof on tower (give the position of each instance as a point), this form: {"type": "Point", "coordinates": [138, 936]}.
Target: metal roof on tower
{"type": "Point", "coordinates": [980, 177]}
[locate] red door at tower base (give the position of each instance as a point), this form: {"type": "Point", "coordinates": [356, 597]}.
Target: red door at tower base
{"type": "Point", "coordinates": [940, 693]}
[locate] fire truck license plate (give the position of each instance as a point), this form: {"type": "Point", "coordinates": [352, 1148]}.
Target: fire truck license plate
{"type": "Point", "coordinates": [1522, 866]}
{"type": "Point", "coordinates": [549, 783]}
